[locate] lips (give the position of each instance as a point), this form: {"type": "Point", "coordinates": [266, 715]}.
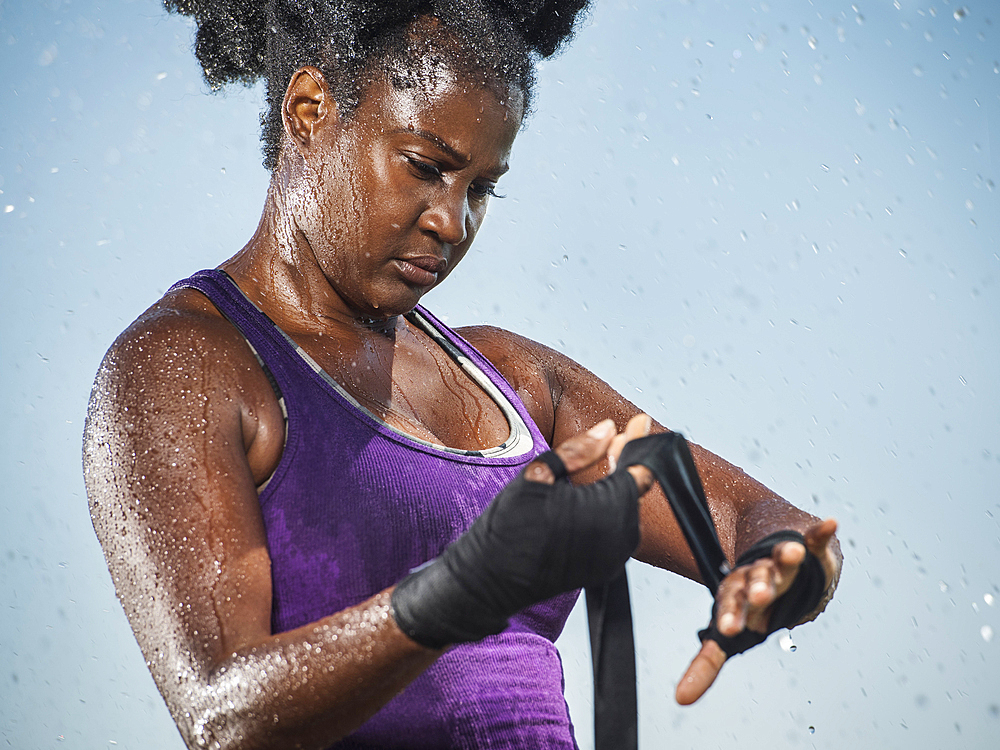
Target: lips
{"type": "Point", "coordinates": [422, 270]}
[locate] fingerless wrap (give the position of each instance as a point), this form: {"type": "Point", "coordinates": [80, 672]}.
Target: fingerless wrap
{"type": "Point", "coordinates": [802, 597]}
{"type": "Point", "coordinates": [534, 541]}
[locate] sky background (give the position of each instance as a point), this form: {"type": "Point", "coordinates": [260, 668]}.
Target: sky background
{"type": "Point", "coordinates": [774, 226]}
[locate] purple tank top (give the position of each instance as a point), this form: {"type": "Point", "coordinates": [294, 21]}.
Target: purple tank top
{"type": "Point", "coordinates": [354, 505]}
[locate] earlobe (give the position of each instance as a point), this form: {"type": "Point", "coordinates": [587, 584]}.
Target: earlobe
{"type": "Point", "coordinates": [307, 104]}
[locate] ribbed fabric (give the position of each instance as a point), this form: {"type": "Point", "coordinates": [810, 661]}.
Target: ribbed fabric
{"type": "Point", "coordinates": [354, 505]}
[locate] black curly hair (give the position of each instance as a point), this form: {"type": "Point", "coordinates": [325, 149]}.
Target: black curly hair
{"type": "Point", "coordinates": [494, 42]}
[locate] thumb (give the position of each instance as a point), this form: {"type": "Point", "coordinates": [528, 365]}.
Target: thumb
{"type": "Point", "coordinates": [701, 673]}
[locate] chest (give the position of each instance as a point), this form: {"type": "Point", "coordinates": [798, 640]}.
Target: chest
{"type": "Point", "coordinates": [413, 384]}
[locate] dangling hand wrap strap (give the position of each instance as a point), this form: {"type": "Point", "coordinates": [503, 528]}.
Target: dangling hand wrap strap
{"type": "Point", "coordinates": [668, 456]}
{"type": "Point", "coordinates": [534, 541]}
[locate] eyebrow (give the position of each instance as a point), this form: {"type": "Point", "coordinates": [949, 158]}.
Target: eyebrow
{"type": "Point", "coordinates": [442, 145]}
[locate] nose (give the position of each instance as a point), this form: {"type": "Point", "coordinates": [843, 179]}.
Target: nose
{"type": "Point", "coordinates": [447, 218]}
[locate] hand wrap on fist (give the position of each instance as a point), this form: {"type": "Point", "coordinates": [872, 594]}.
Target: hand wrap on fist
{"type": "Point", "coordinates": [534, 541]}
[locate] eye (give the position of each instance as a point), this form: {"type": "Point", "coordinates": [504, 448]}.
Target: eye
{"type": "Point", "coordinates": [480, 190]}
{"type": "Point", "coordinates": [424, 170]}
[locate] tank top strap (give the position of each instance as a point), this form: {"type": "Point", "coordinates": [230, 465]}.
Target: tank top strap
{"type": "Point", "coordinates": [493, 375]}
{"type": "Point", "coordinates": [264, 337]}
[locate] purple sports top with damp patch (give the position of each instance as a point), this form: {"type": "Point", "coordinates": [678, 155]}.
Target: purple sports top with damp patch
{"type": "Point", "coordinates": [354, 505]}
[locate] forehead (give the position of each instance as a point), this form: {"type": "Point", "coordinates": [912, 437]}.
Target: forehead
{"type": "Point", "coordinates": [466, 115]}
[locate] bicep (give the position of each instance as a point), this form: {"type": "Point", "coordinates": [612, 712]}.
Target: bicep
{"type": "Point", "coordinates": [174, 505]}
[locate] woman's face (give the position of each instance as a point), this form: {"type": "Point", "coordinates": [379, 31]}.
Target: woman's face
{"type": "Point", "coordinates": [391, 198]}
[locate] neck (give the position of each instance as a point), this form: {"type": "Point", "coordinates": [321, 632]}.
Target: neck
{"type": "Point", "coordinates": [279, 272]}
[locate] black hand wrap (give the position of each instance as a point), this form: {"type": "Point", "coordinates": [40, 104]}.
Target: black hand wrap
{"type": "Point", "coordinates": [534, 541]}
{"type": "Point", "coordinates": [668, 457]}
{"type": "Point", "coordinates": [800, 599]}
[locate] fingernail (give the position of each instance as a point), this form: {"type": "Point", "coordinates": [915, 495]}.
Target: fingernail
{"type": "Point", "coordinates": [727, 621]}
{"type": "Point", "coordinates": [647, 425]}
{"type": "Point", "coordinates": [601, 429]}
{"type": "Point", "coordinates": [612, 463]}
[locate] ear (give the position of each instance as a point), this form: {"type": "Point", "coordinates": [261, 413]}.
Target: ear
{"type": "Point", "coordinates": [307, 105]}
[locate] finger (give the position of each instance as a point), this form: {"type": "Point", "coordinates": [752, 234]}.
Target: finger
{"type": "Point", "coordinates": [731, 603]}
{"type": "Point", "coordinates": [818, 536]}
{"type": "Point", "coordinates": [761, 584]}
{"type": "Point", "coordinates": [820, 541]}
{"type": "Point", "coordinates": [637, 427]}
{"type": "Point", "coordinates": [615, 450]}
{"type": "Point", "coordinates": [701, 673]}
{"type": "Point", "coordinates": [587, 448]}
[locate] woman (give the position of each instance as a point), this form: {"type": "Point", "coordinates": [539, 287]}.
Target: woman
{"type": "Point", "coordinates": [276, 444]}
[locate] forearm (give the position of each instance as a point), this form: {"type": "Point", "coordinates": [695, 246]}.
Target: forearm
{"type": "Point", "coordinates": [306, 688]}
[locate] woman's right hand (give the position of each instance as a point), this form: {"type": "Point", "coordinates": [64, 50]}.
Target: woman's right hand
{"type": "Point", "coordinates": [538, 538]}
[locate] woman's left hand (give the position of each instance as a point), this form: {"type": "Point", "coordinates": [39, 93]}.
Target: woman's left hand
{"type": "Point", "coordinates": [746, 596]}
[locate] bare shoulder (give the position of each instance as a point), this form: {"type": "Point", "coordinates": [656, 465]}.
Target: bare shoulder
{"type": "Point", "coordinates": [506, 349]}
{"type": "Point", "coordinates": [574, 397]}
{"type": "Point", "coordinates": [179, 366]}
{"type": "Point", "coordinates": [528, 366]}
{"type": "Point", "coordinates": [182, 326]}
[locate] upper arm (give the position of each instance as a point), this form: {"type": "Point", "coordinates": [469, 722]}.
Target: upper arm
{"type": "Point", "coordinates": [172, 495]}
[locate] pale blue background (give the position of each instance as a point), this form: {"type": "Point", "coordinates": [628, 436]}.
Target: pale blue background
{"type": "Point", "coordinates": [773, 225]}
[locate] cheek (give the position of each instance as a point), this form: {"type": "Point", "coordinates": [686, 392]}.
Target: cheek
{"type": "Point", "coordinates": [477, 214]}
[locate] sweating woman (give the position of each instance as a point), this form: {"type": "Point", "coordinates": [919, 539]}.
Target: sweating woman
{"type": "Point", "coordinates": [277, 445]}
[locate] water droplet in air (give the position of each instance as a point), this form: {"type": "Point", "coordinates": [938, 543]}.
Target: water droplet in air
{"type": "Point", "coordinates": [812, 730]}
{"type": "Point", "coordinates": [960, 13]}
{"type": "Point", "coordinates": [986, 632]}
{"type": "Point", "coordinates": [812, 42]}
{"type": "Point", "coordinates": [918, 71]}
{"type": "Point", "coordinates": [824, 167]}
{"type": "Point", "coordinates": [988, 598]}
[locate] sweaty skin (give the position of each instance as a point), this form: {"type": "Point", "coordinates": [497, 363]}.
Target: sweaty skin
{"type": "Point", "coordinates": [363, 216]}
